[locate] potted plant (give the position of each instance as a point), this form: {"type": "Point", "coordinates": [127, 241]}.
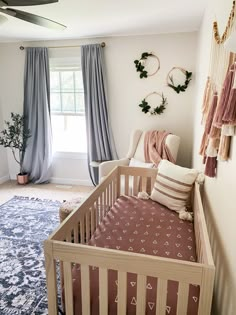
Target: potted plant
{"type": "Point", "coordinates": [15, 137]}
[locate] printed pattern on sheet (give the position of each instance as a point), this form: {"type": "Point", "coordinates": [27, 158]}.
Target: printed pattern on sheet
{"type": "Point", "coordinates": [145, 227]}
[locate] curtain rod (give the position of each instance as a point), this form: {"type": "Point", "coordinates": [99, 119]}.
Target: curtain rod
{"type": "Point", "coordinates": [103, 44]}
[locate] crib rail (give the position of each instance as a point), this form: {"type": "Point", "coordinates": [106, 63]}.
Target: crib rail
{"type": "Point", "coordinates": [82, 222]}
{"type": "Point", "coordinates": [164, 269]}
{"type": "Point", "coordinates": [68, 246]}
{"type": "Point", "coordinates": [203, 247]}
{"type": "Point", "coordinates": [121, 181]}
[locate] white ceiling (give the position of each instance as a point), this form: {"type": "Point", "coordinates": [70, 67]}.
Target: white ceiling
{"type": "Point", "coordinates": [99, 18]}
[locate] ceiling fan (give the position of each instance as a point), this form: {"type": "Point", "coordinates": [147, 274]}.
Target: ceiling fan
{"type": "Point", "coordinates": [29, 17]}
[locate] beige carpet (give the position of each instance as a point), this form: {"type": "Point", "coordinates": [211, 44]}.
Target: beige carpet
{"type": "Point", "coordinates": [43, 191]}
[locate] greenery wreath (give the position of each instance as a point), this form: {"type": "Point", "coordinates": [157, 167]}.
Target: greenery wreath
{"type": "Point", "coordinates": [140, 65]}
{"type": "Point", "coordinates": [158, 110]}
{"type": "Point", "coordinates": [178, 88]}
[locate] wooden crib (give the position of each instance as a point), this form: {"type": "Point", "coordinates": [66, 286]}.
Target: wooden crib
{"type": "Point", "coordinates": [68, 246]}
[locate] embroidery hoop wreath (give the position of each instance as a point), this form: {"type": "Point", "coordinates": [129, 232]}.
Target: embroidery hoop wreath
{"type": "Point", "coordinates": [178, 88]}
{"type": "Point", "coordinates": [158, 110]}
{"type": "Point", "coordinates": [140, 65]}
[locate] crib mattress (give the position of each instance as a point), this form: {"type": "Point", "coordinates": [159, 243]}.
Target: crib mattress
{"type": "Point", "coordinates": [146, 227]}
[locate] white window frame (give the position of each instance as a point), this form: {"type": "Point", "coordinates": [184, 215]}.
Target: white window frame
{"type": "Point", "coordinates": [64, 69]}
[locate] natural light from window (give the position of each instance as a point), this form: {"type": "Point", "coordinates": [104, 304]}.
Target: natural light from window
{"type": "Point", "coordinates": [67, 110]}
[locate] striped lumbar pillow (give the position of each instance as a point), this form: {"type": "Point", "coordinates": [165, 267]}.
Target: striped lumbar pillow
{"type": "Point", "coordinates": [173, 185]}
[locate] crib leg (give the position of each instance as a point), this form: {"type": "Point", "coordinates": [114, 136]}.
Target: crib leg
{"type": "Point", "coordinates": [50, 266]}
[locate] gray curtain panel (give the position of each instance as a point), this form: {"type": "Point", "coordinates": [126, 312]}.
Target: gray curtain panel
{"type": "Point", "coordinates": [99, 136]}
{"type": "Point", "coordinates": [38, 155]}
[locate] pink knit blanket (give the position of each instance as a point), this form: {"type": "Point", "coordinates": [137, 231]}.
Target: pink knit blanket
{"type": "Point", "coordinates": [155, 148]}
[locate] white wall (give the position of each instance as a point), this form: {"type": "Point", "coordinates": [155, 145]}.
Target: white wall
{"type": "Point", "coordinates": [4, 172]}
{"type": "Point", "coordinates": [68, 170]}
{"type": "Point", "coordinates": [219, 193]}
{"type": "Point", "coordinates": [11, 88]}
{"type": "Point", "coordinates": [125, 91]}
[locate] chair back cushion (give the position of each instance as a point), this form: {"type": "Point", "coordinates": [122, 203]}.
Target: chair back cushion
{"type": "Point", "coordinates": [136, 163]}
{"type": "Point", "coordinates": [172, 142]}
{"type": "Point", "coordinates": [139, 153]}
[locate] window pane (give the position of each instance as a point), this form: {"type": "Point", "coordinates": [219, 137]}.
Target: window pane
{"type": "Point", "coordinates": [55, 100]}
{"type": "Point", "coordinates": [79, 81]}
{"type": "Point", "coordinates": [69, 133]}
{"type": "Point", "coordinates": [54, 81]}
{"type": "Point", "coordinates": [67, 81]}
{"type": "Point", "coordinates": [67, 96]}
{"type": "Point", "coordinates": [68, 102]}
{"type": "Point", "coordinates": [79, 99]}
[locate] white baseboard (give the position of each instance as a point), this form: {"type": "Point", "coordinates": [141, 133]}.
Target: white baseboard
{"type": "Point", "coordinates": [4, 179]}
{"type": "Point", "coordinates": [71, 181]}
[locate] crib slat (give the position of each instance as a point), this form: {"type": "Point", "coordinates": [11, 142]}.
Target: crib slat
{"type": "Point", "coordinates": [85, 290]}
{"type": "Point", "coordinates": [68, 288]}
{"type": "Point", "coordinates": [93, 220]}
{"type": "Point", "coordinates": [182, 298]}
{"type": "Point", "coordinates": [103, 292]}
{"type": "Point", "coordinates": [126, 185]}
{"type": "Point", "coordinates": [113, 192]}
{"type": "Point", "coordinates": [96, 208]}
{"type": "Point", "coordinates": [161, 297]}
{"type": "Point", "coordinates": [118, 184]}
{"type": "Point", "coordinates": [141, 295]}
{"type": "Point", "coordinates": [76, 234]}
{"type": "Point", "coordinates": [110, 194]}
{"type": "Point", "coordinates": [106, 201]}
{"type": "Point", "coordinates": [103, 205]}
{"type": "Point", "coordinates": [122, 292]}
{"type": "Point", "coordinates": [95, 211]}
{"type": "Point", "coordinates": [68, 237]}
{"type": "Point", "coordinates": [87, 220]}
{"type": "Point", "coordinates": [100, 206]}
{"type": "Point", "coordinates": [135, 186]}
{"type": "Point", "coordinates": [108, 198]}
{"type": "Point", "coordinates": [144, 183]}
{"type": "Point", "coordinates": [81, 224]}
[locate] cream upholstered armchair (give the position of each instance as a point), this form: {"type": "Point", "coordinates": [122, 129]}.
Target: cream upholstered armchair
{"type": "Point", "coordinates": [136, 151]}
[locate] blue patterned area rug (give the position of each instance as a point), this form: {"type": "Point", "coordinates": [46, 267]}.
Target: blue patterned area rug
{"type": "Point", "coordinates": [24, 224]}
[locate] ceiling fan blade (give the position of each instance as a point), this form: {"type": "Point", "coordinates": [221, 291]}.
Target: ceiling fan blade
{"type": "Point", "coordinates": [22, 3]}
{"type": "Point", "coordinates": [32, 18]}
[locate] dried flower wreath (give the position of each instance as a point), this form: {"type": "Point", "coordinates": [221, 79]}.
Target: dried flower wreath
{"type": "Point", "coordinates": [158, 110]}
{"type": "Point", "coordinates": [140, 65]}
{"type": "Point", "coordinates": [178, 88]}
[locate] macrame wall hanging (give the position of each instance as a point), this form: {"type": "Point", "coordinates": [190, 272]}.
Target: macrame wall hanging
{"type": "Point", "coordinates": [219, 102]}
